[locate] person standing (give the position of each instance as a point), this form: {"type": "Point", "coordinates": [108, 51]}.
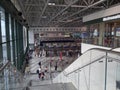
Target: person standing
{"type": "Point", "coordinates": [42, 75]}
{"type": "Point", "coordinates": [46, 69]}
{"type": "Point", "coordinates": [39, 64]}
{"type": "Point", "coordinates": [55, 67]}
{"type": "Point", "coordinates": [40, 70]}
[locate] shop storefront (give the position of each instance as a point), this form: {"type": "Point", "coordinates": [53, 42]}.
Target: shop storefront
{"type": "Point", "coordinates": [93, 30]}
{"type": "Point", "coordinates": [108, 31]}
{"type": "Point", "coordinates": [112, 34]}
{"type": "Point", "coordinates": [104, 31]}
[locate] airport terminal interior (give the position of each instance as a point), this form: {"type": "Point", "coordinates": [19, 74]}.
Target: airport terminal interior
{"type": "Point", "coordinates": [59, 44]}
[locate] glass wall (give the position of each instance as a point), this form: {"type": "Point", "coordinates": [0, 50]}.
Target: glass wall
{"type": "Point", "coordinates": [112, 34]}
{"type": "Point", "coordinates": [15, 48]}
{"type": "Point", "coordinates": [25, 38]}
{"type": "Point", "coordinates": [10, 33]}
{"type": "Point", "coordinates": [12, 46]}
{"type": "Point", "coordinates": [93, 33]}
{"type": "Point", "coordinates": [0, 44]}
{"type": "Point", "coordinates": [3, 34]}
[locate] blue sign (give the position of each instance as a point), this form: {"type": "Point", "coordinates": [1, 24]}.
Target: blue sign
{"type": "Point", "coordinates": [84, 35]}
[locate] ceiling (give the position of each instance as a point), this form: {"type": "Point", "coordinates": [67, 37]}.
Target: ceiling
{"type": "Point", "coordinates": [60, 13]}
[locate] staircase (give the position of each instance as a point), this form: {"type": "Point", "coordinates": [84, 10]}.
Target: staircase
{"type": "Point", "coordinates": [47, 85]}
{"type": "Point", "coordinates": [34, 83]}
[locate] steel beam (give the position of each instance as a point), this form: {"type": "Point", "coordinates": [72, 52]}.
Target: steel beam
{"type": "Point", "coordinates": [96, 3]}
{"type": "Point", "coordinates": [62, 11]}
{"type": "Point", "coordinates": [73, 6]}
{"type": "Point", "coordinates": [43, 10]}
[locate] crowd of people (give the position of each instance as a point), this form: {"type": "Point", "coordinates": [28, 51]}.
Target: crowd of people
{"type": "Point", "coordinates": [44, 70]}
{"type": "Point", "coordinates": [41, 71]}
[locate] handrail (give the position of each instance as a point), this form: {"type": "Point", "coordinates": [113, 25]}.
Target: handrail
{"type": "Point", "coordinates": [17, 70]}
{"type": "Point", "coordinates": [104, 50]}
{"type": "Point", "coordinates": [100, 49]}
{"type": "Point", "coordinates": [87, 64]}
{"type": "Point", "coordinates": [3, 67]}
{"type": "Point", "coordinates": [114, 59]}
{"type": "Point", "coordinates": [9, 63]}
{"type": "Point", "coordinates": [13, 77]}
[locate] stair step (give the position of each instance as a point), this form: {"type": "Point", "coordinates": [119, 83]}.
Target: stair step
{"type": "Point", "coordinates": [55, 86]}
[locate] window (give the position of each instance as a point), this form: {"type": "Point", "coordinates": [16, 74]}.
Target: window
{"type": "Point", "coordinates": [3, 30]}
{"type": "Point", "coordinates": [3, 33]}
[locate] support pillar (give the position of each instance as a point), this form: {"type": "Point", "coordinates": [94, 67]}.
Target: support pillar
{"type": "Point", "coordinates": [7, 36]}
{"type": "Point", "coordinates": [1, 55]}
{"type": "Point", "coordinates": [101, 33]}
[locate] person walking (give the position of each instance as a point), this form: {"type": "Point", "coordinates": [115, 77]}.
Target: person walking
{"type": "Point", "coordinates": [46, 69]}
{"type": "Point", "coordinates": [42, 75]}
{"type": "Point", "coordinates": [39, 74]}
{"type": "Point", "coordinates": [39, 63]}
{"type": "Point", "coordinates": [56, 67]}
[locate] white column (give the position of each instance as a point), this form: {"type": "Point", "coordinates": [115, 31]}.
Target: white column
{"type": "Point", "coordinates": [31, 37]}
{"type": "Point", "coordinates": [101, 33]}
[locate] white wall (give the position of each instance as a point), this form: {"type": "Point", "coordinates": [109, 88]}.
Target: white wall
{"type": "Point", "coordinates": [24, 38]}
{"type": "Point", "coordinates": [103, 13]}
{"type": "Point", "coordinates": [85, 47]}
{"type": "Point", "coordinates": [31, 37]}
{"type": "Point", "coordinates": [116, 49]}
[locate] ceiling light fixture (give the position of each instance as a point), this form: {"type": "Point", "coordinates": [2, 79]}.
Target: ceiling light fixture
{"type": "Point", "coordinates": [51, 3]}
{"type": "Point", "coordinates": [44, 16]}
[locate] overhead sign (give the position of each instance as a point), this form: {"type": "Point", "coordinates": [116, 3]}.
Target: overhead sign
{"type": "Point", "coordinates": [111, 17]}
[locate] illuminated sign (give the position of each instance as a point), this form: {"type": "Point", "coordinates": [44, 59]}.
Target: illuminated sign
{"type": "Point", "coordinates": [111, 18]}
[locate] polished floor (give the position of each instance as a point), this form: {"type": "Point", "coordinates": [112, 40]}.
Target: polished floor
{"type": "Point", "coordinates": [36, 83]}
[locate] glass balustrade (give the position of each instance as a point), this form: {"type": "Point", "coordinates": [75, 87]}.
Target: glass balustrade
{"type": "Point", "coordinates": [10, 78]}
{"type": "Point", "coordinates": [96, 69]}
